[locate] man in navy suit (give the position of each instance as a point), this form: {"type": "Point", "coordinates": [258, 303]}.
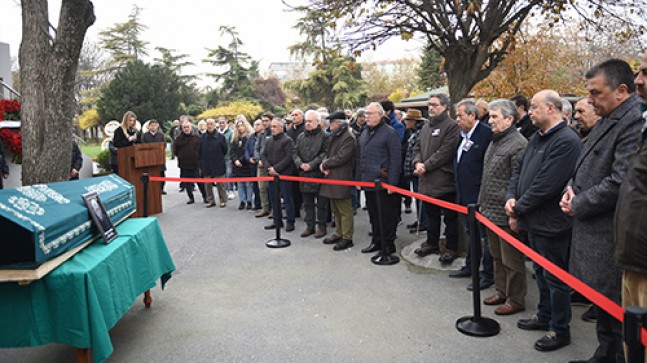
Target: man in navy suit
{"type": "Point", "coordinates": [468, 167]}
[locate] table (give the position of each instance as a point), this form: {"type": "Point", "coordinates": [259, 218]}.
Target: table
{"type": "Point", "coordinates": [81, 300]}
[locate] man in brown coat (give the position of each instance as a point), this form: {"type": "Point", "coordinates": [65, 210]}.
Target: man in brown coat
{"type": "Point", "coordinates": [338, 164]}
{"type": "Point", "coordinates": [433, 161]}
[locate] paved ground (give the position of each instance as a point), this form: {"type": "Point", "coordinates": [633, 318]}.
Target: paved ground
{"type": "Point", "coordinates": [234, 300]}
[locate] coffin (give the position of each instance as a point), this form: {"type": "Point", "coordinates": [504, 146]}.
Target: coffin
{"type": "Point", "coordinates": [40, 222]}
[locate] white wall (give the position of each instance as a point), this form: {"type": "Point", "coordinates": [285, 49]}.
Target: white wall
{"type": "Point", "coordinates": [5, 69]}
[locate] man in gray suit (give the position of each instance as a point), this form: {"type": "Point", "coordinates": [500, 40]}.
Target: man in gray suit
{"type": "Point", "coordinates": [593, 191]}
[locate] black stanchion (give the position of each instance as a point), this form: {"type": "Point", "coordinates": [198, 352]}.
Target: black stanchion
{"type": "Point", "coordinates": [145, 179]}
{"type": "Point", "coordinates": [635, 318]}
{"type": "Point", "coordinates": [277, 242]}
{"type": "Point", "coordinates": [476, 325]}
{"type": "Point", "coordinates": [383, 257]}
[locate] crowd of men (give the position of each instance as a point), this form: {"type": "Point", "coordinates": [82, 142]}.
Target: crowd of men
{"type": "Point", "coordinates": [568, 182]}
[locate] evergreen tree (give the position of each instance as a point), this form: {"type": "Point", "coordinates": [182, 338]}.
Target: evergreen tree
{"type": "Point", "coordinates": [123, 41]}
{"type": "Point", "coordinates": [238, 68]}
{"type": "Point", "coordinates": [430, 72]}
{"type": "Point", "coordinates": [151, 91]}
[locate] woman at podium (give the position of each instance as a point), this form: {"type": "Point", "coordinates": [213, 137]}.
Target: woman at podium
{"type": "Point", "coordinates": [127, 134]}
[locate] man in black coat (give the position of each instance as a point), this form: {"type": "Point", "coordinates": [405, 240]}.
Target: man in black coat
{"type": "Point", "coordinates": [524, 124]}
{"type": "Point", "coordinates": [213, 148]}
{"type": "Point", "coordinates": [277, 159]}
{"type": "Point", "coordinates": [532, 205]}
{"type": "Point", "coordinates": [155, 135]}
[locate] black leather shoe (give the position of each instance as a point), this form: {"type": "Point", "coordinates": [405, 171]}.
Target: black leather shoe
{"type": "Point", "coordinates": [270, 226]}
{"type": "Point", "coordinates": [413, 225]}
{"type": "Point", "coordinates": [463, 272]}
{"type": "Point", "coordinates": [371, 248]}
{"type": "Point", "coordinates": [343, 244]}
{"type": "Point", "coordinates": [553, 341]}
{"type": "Point", "coordinates": [425, 250]}
{"type": "Point", "coordinates": [448, 257]}
{"type": "Point", "coordinates": [190, 201]}
{"type": "Point", "coordinates": [590, 316]}
{"type": "Point", "coordinates": [289, 227]}
{"type": "Point", "coordinates": [532, 323]}
{"type": "Point", "coordinates": [483, 284]}
{"type": "Point", "coordinates": [331, 240]}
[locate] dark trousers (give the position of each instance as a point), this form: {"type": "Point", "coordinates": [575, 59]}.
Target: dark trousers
{"type": "Point", "coordinates": [420, 206]}
{"type": "Point", "coordinates": [316, 210]}
{"type": "Point", "coordinates": [609, 332]}
{"type": "Point", "coordinates": [257, 196]}
{"type": "Point", "coordinates": [285, 189]}
{"type": "Point", "coordinates": [554, 295]}
{"type": "Point", "coordinates": [488, 264]}
{"type": "Point", "coordinates": [188, 187]}
{"type": "Point", "coordinates": [433, 223]}
{"type": "Point", "coordinates": [405, 183]}
{"type": "Point", "coordinates": [296, 197]}
{"type": "Point", "coordinates": [391, 209]}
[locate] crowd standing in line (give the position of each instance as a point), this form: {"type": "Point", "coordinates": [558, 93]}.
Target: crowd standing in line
{"type": "Point", "coordinates": [572, 186]}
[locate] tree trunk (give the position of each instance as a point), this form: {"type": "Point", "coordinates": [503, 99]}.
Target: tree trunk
{"type": "Point", "coordinates": [47, 70]}
{"type": "Point", "coordinates": [462, 65]}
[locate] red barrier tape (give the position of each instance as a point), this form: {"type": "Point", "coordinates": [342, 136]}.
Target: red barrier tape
{"type": "Point", "coordinates": [597, 298]}
{"type": "Point", "coordinates": [328, 181]}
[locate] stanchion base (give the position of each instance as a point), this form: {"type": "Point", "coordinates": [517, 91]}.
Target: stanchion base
{"type": "Point", "coordinates": [385, 260]}
{"type": "Point", "coordinates": [277, 243]}
{"type": "Point", "coordinates": [481, 327]}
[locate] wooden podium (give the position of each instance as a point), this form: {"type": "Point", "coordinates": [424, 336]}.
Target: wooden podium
{"type": "Point", "coordinates": [137, 160]}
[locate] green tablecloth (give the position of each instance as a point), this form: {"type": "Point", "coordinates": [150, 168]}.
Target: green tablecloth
{"type": "Point", "coordinates": [81, 300]}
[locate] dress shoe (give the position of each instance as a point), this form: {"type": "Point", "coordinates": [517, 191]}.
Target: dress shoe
{"type": "Point", "coordinates": [507, 309]}
{"type": "Point", "coordinates": [163, 192]}
{"type": "Point", "coordinates": [307, 232]}
{"type": "Point", "coordinates": [448, 257]}
{"type": "Point", "coordinates": [270, 226]}
{"type": "Point", "coordinates": [371, 248]}
{"type": "Point", "coordinates": [262, 213]}
{"type": "Point", "coordinates": [190, 201]}
{"type": "Point", "coordinates": [413, 225]}
{"type": "Point", "coordinates": [343, 244]}
{"type": "Point", "coordinates": [494, 300]}
{"type": "Point", "coordinates": [483, 284]}
{"type": "Point", "coordinates": [249, 206]}
{"type": "Point", "coordinates": [407, 210]}
{"type": "Point", "coordinates": [331, 240]}
{"type": "Point", "coordinates": [553, 341]}
{"type": "Point", "coordinates": [241, 206]}
{"type": "Point", "coordinates": [463, 272]}
{"type": "Point", "coordinates": [590, 316]}
{"type": "Point", "coordinates": [289, 227]}
{"type": "Point", "coordinates": [210, 205]}
{"type": "Point", "coordinates": [532, 323]}
{"type": "Point", "coordinates": [320, 232]}
{"type": "Point", "coordinates": [418, 230]}
{"type": "Point", "coordinates": [425, 250]}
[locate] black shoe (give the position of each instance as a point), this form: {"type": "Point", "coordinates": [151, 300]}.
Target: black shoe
{"type": "Point", "coordinates": [483, 284]}
{"type": "Point", "coordinates": [448, 257]}
{"type": "Point", "coordinates": [289, 227]}
{"type": "Point", "coordinates": [463, 272]}
{"type": "Point", "coordinates": [191, 201]}
{"type": "Point", "coordinates": [163, 192]}
{"type": "Point", "coordinates": [426, 250]}
{"type": "Point", "coordinates": [553, 341]}
{"type": "Point", "coordinates": [181, 190]}
{"type": "Point", "coordinates": [407, 210]}
{"type": "Point", "coordinates": [590, 315]}
{"type": "Point", "coordinates": [270, 226]}
{"type": "Point", "coordinates": [413, 225]}
{"type": "Point", "coordinates": [331, 240]}
{"type": "Point", "coordinates": [343, 244]}
{"type": "Point", "coordinates": [532, 323]}
{"type": "Point", "coordinates": [371, 248]}
{"type": "Point", "coordinates": [241, 206]}
{"type": "Point", "coordinates": [249, 206]}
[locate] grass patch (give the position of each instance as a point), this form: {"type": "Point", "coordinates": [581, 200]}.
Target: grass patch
{"type": "Point", "coordinates": [91, 149]}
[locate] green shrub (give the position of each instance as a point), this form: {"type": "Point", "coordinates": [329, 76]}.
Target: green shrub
{"type": "Point", "coordinates": [103, 161]}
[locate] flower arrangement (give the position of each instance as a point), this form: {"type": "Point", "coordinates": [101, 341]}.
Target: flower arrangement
{"type": "Point", "coordinates": [10, 110]}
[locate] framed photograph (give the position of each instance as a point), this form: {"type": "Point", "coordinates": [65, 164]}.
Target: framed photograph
{"type": "Point", "coordinates": [100, 216]}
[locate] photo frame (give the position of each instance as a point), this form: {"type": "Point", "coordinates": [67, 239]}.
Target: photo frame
{"type": "Point", "coordinates": [100, 216]}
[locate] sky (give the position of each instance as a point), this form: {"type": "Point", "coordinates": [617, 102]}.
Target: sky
{"type": "Point", "coordinates": [190, 26]}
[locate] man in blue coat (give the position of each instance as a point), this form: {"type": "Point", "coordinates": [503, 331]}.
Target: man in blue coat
{"type": "Point", "coordinates": [468, 166]}
{"type": "Point", "coordinates": [213, 148]}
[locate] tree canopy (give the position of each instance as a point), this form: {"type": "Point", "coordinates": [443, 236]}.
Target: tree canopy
{"type": "Point", "coordinates": [123, 41]}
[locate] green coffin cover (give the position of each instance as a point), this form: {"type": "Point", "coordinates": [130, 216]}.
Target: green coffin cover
{"type": "Point", "coordinates": [40, 222]}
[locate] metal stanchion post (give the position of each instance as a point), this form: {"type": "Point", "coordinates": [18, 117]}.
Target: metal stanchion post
{"type": "Point", "coordinates": [476, 325]}
{"type": "Point", "coordinates": [383, 257]}
{"type": "Point", "coordinates": [145, 179]}
{"type": "Point", "coordinates": [277, 242]}
{"type": "Point", "coordinates": [635, 318]}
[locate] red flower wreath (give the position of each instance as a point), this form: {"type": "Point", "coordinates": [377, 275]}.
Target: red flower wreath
{"type": "Point", "coordinates": [10, 110]}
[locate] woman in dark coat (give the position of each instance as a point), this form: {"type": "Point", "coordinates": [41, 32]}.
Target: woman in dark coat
{"type": "Point", "coordinates": [213, 148]}
{"type": "Point", "coordinates": [127, 134]}
{"type": "Point", "coordinates": [240, 162]}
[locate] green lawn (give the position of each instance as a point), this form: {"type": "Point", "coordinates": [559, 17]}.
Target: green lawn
{"type": "Point", "coordinates": [91, 149]}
